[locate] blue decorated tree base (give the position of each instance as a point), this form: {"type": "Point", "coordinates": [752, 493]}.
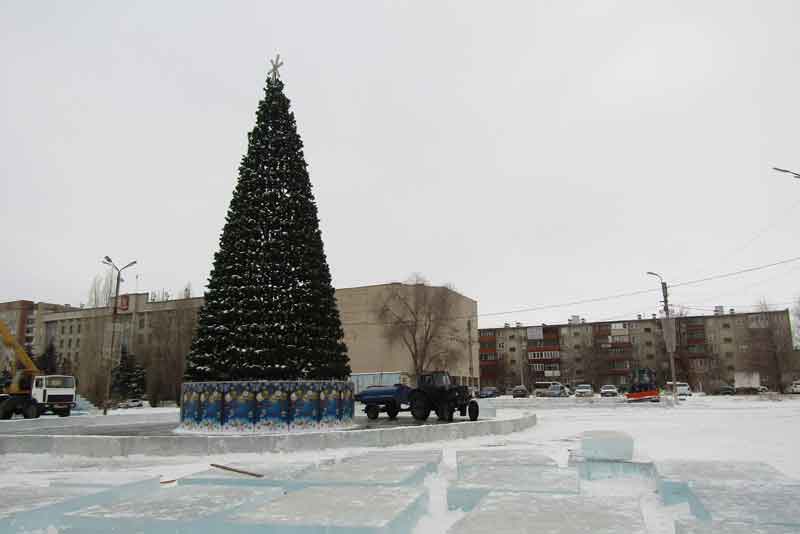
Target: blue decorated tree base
{"type": "Point", "coordinates": [266, 407]}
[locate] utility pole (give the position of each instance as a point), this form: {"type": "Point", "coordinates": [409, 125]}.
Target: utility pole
{"type": "Point", "coordinates": [469, 351]}
{"type": "Point", "coordinates": [108, 261]}
{"type": "Point", "coordinates": [669, 336]}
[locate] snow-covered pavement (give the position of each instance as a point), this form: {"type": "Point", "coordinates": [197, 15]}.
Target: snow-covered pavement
{"type": "Point", "coordinates": [730, 429]}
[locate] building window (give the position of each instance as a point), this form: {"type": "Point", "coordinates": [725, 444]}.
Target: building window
{"type": "Point", "coordinates": [576, 347]}
{"type": "Point", "coordinates": [726, 325]}
{"type": "Point", "coordinates": [648, 343]}
{"type": "Point", "coordinates": [578, 360]}
{"type": "Point", "coordinates": [62, 329]}
{"type": "Point", "coordinates": [141, 322]}
{"type": "Point", "coordinates": [648, 329]}
{"type": "Point", "coordinates": [77, 343]}
{"type": "Point", "coordinates": [79, 327]}
{"type": "Point", "coordinates": [729, 355]}
{"type": "Point", "coordinates": [69, 343]}
{"type": "Point", "coordinates": [511, 336]}
{"type": "Point", "coordinates": [730, 368]}
{"type": "Point", "coordinates": [61, 344]}
{"type": "Point", "coordinates": [70, 329]}
{"type": "Point", "coordinates": [513, 349]}
{"type": "Point", "coordinates": [727, 340]}
{"type": "Point", "coordinates": [651, 356]}
{"type": "Point", "coordinates": [501, 345]}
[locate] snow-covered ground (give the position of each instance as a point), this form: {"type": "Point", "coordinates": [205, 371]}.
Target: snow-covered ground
{"type": "Point", "coordinates": [702, 428]}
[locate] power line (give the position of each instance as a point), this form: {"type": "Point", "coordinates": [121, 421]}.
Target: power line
{"type": "Point", "coordinates": [599, 299]}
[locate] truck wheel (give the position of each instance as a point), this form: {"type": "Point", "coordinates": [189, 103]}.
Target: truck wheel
{"type": "Point", "coordinates": [373, 411]}
{"type": "Point", "coordinates": [473, 410]}
{"type": "Point", "coordinates": [63, 413]}
{"type": "Point", "coordinates": [392, 410]}
{"type": "Point", "coordinates": [5, 411]}
{"type": "Point", "coordinates": [420, 409]}
{"type": "Point", "coordinates": [30, 411]}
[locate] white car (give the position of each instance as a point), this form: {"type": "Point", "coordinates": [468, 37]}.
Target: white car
{"type": "Point", "coordinates": [132, 403]}
{"type": "Point", "coordinates": [609, 390]}
{"type": "Point", "coordinates": [584, 390]}
{"type": "Point", "coordinates": [795, 387]}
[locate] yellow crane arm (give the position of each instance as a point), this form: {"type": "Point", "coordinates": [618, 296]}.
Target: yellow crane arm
{"type": "Point", "coordinates": [22, 357]}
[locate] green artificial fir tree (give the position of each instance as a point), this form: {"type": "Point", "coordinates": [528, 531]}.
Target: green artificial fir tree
{"type": "Point", "coordinates": [270, 311]}
{"type": "Point", "coordinates": [128, 378]}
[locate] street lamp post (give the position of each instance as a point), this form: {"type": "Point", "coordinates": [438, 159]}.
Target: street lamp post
{"type": "Point", "coordinates": [668, 342]}
{"type": "Point", "coordinates": [107, 261]}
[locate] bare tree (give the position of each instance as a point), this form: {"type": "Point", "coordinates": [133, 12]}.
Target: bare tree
{"type": "Point", "coordinates": [101, 289]}
{"type": "Point", "coordinates": [421, 317]}
{"type": "Point", "coordinates": [93, 367]}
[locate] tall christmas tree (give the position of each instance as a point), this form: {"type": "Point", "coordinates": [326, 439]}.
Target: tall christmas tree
{"type": "Point", "coordinates": [270, 311]}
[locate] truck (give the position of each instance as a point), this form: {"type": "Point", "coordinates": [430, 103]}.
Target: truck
{"type": "Point", "coordinates": [747, 382]}
{"type": "Point", "coordinates": [644, 386]}
{"type": "Point", "coordinates": [27, 391]}
{"type": "Point", "coordinates": [435, 392]}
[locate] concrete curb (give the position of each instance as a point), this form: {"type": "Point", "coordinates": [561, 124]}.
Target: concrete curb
{"type": "Point", "coordinates": [183, 445]}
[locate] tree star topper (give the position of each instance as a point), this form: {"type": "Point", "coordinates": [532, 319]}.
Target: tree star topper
{"type": "Point", "coordinates": [276, 64]}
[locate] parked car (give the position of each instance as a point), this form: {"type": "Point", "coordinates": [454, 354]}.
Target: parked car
{"type": "Point", "coordinates": [557, 390]}
{"type": "Point", "coordinates": [488, 392]}
{"type": "Point", "coordinates": [795, 387]}
{"type": "Point", "coordinates": [519, 392]}
{"type": "Point", "coordinates": [584, 390]}
{"type": "Point", "coordinates": [609, 390]}
{"type": "Point", "coordinates": [540, 388]}
{"type": "Point", "coordinates": [683, 389]}
{"type": "Point", "coordinates": [763, 389]}
{"type": "Point", "coordinates": [726, 389]}
{"type": "Point", "coordinates": [132, 403]}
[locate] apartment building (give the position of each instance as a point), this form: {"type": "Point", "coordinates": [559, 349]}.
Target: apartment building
{"type": "Point", "coordinates": [24, 320]}
{"type": "Point", "coordinates": [709, 350]}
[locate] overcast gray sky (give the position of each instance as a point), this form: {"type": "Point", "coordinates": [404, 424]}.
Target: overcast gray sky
{"type": "Point", "coordinates": [529, 153]}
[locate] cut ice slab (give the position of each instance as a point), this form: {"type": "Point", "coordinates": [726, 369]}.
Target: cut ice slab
{"type": "Point", "coordinates": [165, 510]}
{"type": "Point", "coordinates": [327, 510]}
{"type": "Point", "coordinates": [469, 457]}
{"type": "Point", "coordinates": [674, 476]}
{"type": "Point", "coordinates": [609, 469]}
{"type": "Point", "coordinates": [387, 469]}
{"type": "Point", "coordinates": [688, 526]}
{"type": "Point", "coordinates": [606, 445]}
{"type": "Point", "coordinates": [513, 513]}
{"type": "Point", "coordinates": [255, 474]}
{"type": "Point", "coordinates": [428, 456]}
{"type": "Point", "coordinates": [475, 481]}
{"type": "Point", "coordinates": [762, 503]}
{"type": "Point", "coordinates": [23, 498]}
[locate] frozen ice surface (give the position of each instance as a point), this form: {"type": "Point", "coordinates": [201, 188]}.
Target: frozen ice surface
{"type": "Point", "coordinates": [606, 445]}
{"type": "Point", "coordinates": [686, 526]}
{"type": "Point", "coordinates": [318, 510]}
{"type": "Point", "coordinates": [674, 476]}
{"type": "Point", "coordinates": [746, 501]}
{"type": "Point", "coordinates": [22, 498]}
{"type": "Point", "coordinates": [384, 468]}
{"type": "Point", "coordinates": [475, 481]}
{"type": "Point", "coordinates": [515, 513]}
{"type": "Point", "coordinates": [271, 475]}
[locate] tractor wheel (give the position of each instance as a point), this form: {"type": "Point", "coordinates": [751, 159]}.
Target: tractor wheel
{"type": "Point", "coordinates": [473, 410]}
{"type": "Point", "coordinates": [392, 410]}
{"type": "Point", "coordinates": [30, 411]}
{"type": "Point", "coordinates": [373, 411]}
{"type": "Point", "coordinates": [420, 409]}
